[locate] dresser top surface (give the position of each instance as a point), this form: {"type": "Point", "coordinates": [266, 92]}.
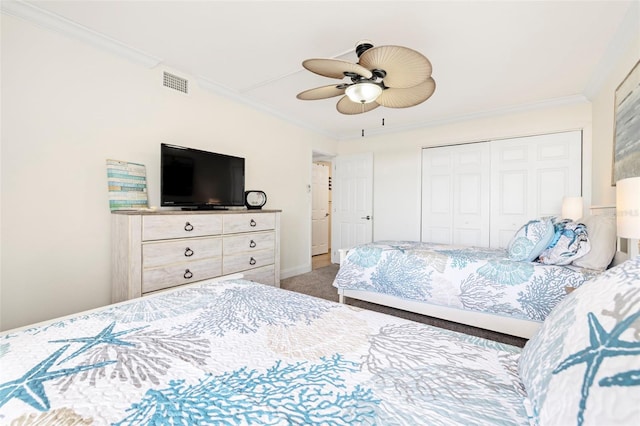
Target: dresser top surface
{"type": "Point", "coordinates": [183, 212]}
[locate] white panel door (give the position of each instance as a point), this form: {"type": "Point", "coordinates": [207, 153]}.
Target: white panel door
{"type": "Point", "coordinates": [455, 194]}
{"type": "Point", "coordinates": [529, 178]}
{"type": "Point", "coordinates": [437, 195]}
{"type": "Point", "coordinates": [320, 209]}
{"type": "Point", "coordinates": [352, 202]}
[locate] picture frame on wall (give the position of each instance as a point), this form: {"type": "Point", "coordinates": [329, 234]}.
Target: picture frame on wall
{"type": "Point", "coordinates": [626, 132]}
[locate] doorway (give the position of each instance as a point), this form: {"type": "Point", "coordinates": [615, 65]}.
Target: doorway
{"type": "Point", "coordinates": [321, 212]}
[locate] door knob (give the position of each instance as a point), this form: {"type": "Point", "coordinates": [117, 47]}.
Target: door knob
{"type": "Point", "coordinates": [366, 217]}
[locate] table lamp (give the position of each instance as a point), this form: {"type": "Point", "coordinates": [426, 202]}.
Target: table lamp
{"type": "Point", "coordinates": [628, 212]}
{"type": "Point", "coordinates": [572, 208]}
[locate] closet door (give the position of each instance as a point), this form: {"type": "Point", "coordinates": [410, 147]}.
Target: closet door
{"type": "Point", "coordinates": [455, 194]}
{"type": "Point", "coordinates": [529, 178]}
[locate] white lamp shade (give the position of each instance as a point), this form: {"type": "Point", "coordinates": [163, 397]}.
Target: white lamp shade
{"type": "Point", "coordinates": [628, 207]}
{"type": "Point", "coordinates": [572, 208]}
{"type": "Point", "coordinates": [363, 93]}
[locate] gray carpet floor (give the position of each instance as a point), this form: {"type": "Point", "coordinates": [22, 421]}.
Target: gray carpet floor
{"type": "Point", "coordinates": [319, 282]}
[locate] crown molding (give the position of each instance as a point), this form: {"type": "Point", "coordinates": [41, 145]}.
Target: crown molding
{"type": "Point", "coordinates": [532, 106]}
{"type": "Point", "coordinates": [52, 21]}
{"type": "Point", "coordinates": [46, 19]}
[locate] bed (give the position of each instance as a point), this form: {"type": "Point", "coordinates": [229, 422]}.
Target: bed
{"type": "Point", "coordinates": [502, 290]}
{"type": "Point", "coordinates": [238, 352]}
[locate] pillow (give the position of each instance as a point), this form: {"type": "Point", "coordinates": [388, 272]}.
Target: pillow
{"type": "Point", "coordinates": [602, 237]}
{"type": "Point", "coordinates": [570, 242]}
{"type": "Point", "coordinates": [583, 365]}
{"type": "Point", "coordinates": [530, 240]}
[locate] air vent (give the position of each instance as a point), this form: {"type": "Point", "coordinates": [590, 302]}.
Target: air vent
{"type": "Point", "coordinates": [176, 83]}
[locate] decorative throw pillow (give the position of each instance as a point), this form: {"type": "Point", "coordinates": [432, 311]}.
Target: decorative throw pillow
{"type": "Point", "coordinates": [601, 231]}
{"type": "Point", "coordinates": [583, 364]}
{"type": "Point", "coordinates": [530, 240]}
{"type": "Point", "coordinates": [569, 243]}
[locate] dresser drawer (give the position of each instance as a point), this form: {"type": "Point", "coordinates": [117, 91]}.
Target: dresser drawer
{"type": "Point", "coordinates": [180, 226]}
{"type": "Point", "coordinates": [249, 222]}
{"type": "Point", "coordinates": [264, 275]}
{"type": "Point", "coordinates": [174, 251]}
{"type": "Point", "coordinates": [180, 273]}
{"type": "Point", "coordinates": [241, 262]}
{"type": "Point", "coordinates": [247, 243]}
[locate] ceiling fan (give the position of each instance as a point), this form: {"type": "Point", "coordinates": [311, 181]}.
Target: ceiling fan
{"type": "Point", "coordinates": [391, 76]}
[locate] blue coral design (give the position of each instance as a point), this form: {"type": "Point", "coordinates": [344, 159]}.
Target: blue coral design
{"type": "Point", "coordinates": [300, 393]}
{"type": "Point", "coordinates": [366, 256]}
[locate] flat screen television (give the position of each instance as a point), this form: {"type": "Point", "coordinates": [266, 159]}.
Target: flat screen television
{"type": "Point", "coordinates": [195, 179]}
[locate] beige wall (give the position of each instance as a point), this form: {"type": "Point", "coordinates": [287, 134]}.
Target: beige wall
{"type": "Point", "coordinates": [397, 158]}
{"type": "Point", "coordinates": [66, 108]}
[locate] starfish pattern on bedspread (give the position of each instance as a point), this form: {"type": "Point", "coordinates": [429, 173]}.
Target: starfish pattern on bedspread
{"type": "Point", "coordinates": [30, 389]}
{"type": "Point", "coordinates": [603, 345]}
{"type": "Point", "coordinates": [105, 336]}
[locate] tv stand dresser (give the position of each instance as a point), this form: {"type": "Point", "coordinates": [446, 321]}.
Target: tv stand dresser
{"type": "Point", "coordinates": [157, 250]}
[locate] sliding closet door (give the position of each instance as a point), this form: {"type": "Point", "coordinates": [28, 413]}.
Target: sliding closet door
{"type": "Point", "coordinates": [455, 194]}
{"type": "Point", "coordinates": [529, 178]}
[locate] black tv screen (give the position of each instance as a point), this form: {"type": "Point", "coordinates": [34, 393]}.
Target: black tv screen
{"type": "Point", "coordinates": [193, 178]}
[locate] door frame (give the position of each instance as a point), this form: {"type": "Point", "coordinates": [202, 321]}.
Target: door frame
{"type": "Point", "coordinates": [328, 158]}
{"type": "Point", "coordinates": [320, 192]}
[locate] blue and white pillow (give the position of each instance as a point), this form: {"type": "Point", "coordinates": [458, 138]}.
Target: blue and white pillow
{"type": "Point", "coordinates": [583, 364]}
{"type": "Point", "coordinates": [531, 239]}
{"type": "Point", "coordinates": [570, 242]}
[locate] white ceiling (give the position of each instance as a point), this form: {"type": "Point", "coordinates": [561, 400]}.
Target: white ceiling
{"type": "Point", "coordinates": [488, 56]}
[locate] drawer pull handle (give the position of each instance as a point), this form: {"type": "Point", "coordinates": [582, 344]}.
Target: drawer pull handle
{"type": "Point", "coordinates": [188, 252]}
{"type": "Point", "coordinates": [252, 261]}
{"type": "Point", "coordinates": [188, 227]}
{"type": "Point", "coordinates": [252, 244]}
{"type": "Point", "coordinates": [252, 223]}
{"type": "Point", "coordinates": [187, 274]}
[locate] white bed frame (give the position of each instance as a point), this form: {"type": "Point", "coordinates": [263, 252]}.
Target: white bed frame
{"type": "Point", "coordinates": [501, 324]}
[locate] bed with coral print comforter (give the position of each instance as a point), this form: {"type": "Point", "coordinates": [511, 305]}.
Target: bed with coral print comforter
{"type": "Point", "coordinates": [238, 352]}
{"type": "Point", "coordinates": [469, 278]}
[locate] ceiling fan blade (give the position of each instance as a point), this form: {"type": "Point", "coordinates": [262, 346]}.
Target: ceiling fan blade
{"type": "Point", "coordinates": [404, 98]}
{"type": "Point", "coordinates": [323, 92]}
{"type": "Point", "coordinates": [405, 67]}
{"type": "Point", "coordinates": [347, 106]}
{"type": "Point", "coordinates": [335, 68]}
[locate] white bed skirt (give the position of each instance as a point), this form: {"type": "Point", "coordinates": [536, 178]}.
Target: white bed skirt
{"type": "Point", "coordinates": [501, 324]}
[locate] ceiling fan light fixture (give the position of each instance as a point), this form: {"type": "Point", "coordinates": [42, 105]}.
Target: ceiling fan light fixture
{"type": "Point", "coordinates": [363, 93]}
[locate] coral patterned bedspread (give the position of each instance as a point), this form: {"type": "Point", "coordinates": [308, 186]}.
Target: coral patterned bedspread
{"type": "Point", "coordinates": [470, 278]}
{"type": "Point", "coordinates": [238, 352]}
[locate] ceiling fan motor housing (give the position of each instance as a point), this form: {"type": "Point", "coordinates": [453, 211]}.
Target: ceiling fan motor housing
{"type": "Point", "coordinates": [362, 47]}
{"type": "Point", "coordinates": [379, 73]}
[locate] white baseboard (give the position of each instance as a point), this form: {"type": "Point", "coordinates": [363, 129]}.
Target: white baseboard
{"type": "Point", "coordinates": [292, 272]}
